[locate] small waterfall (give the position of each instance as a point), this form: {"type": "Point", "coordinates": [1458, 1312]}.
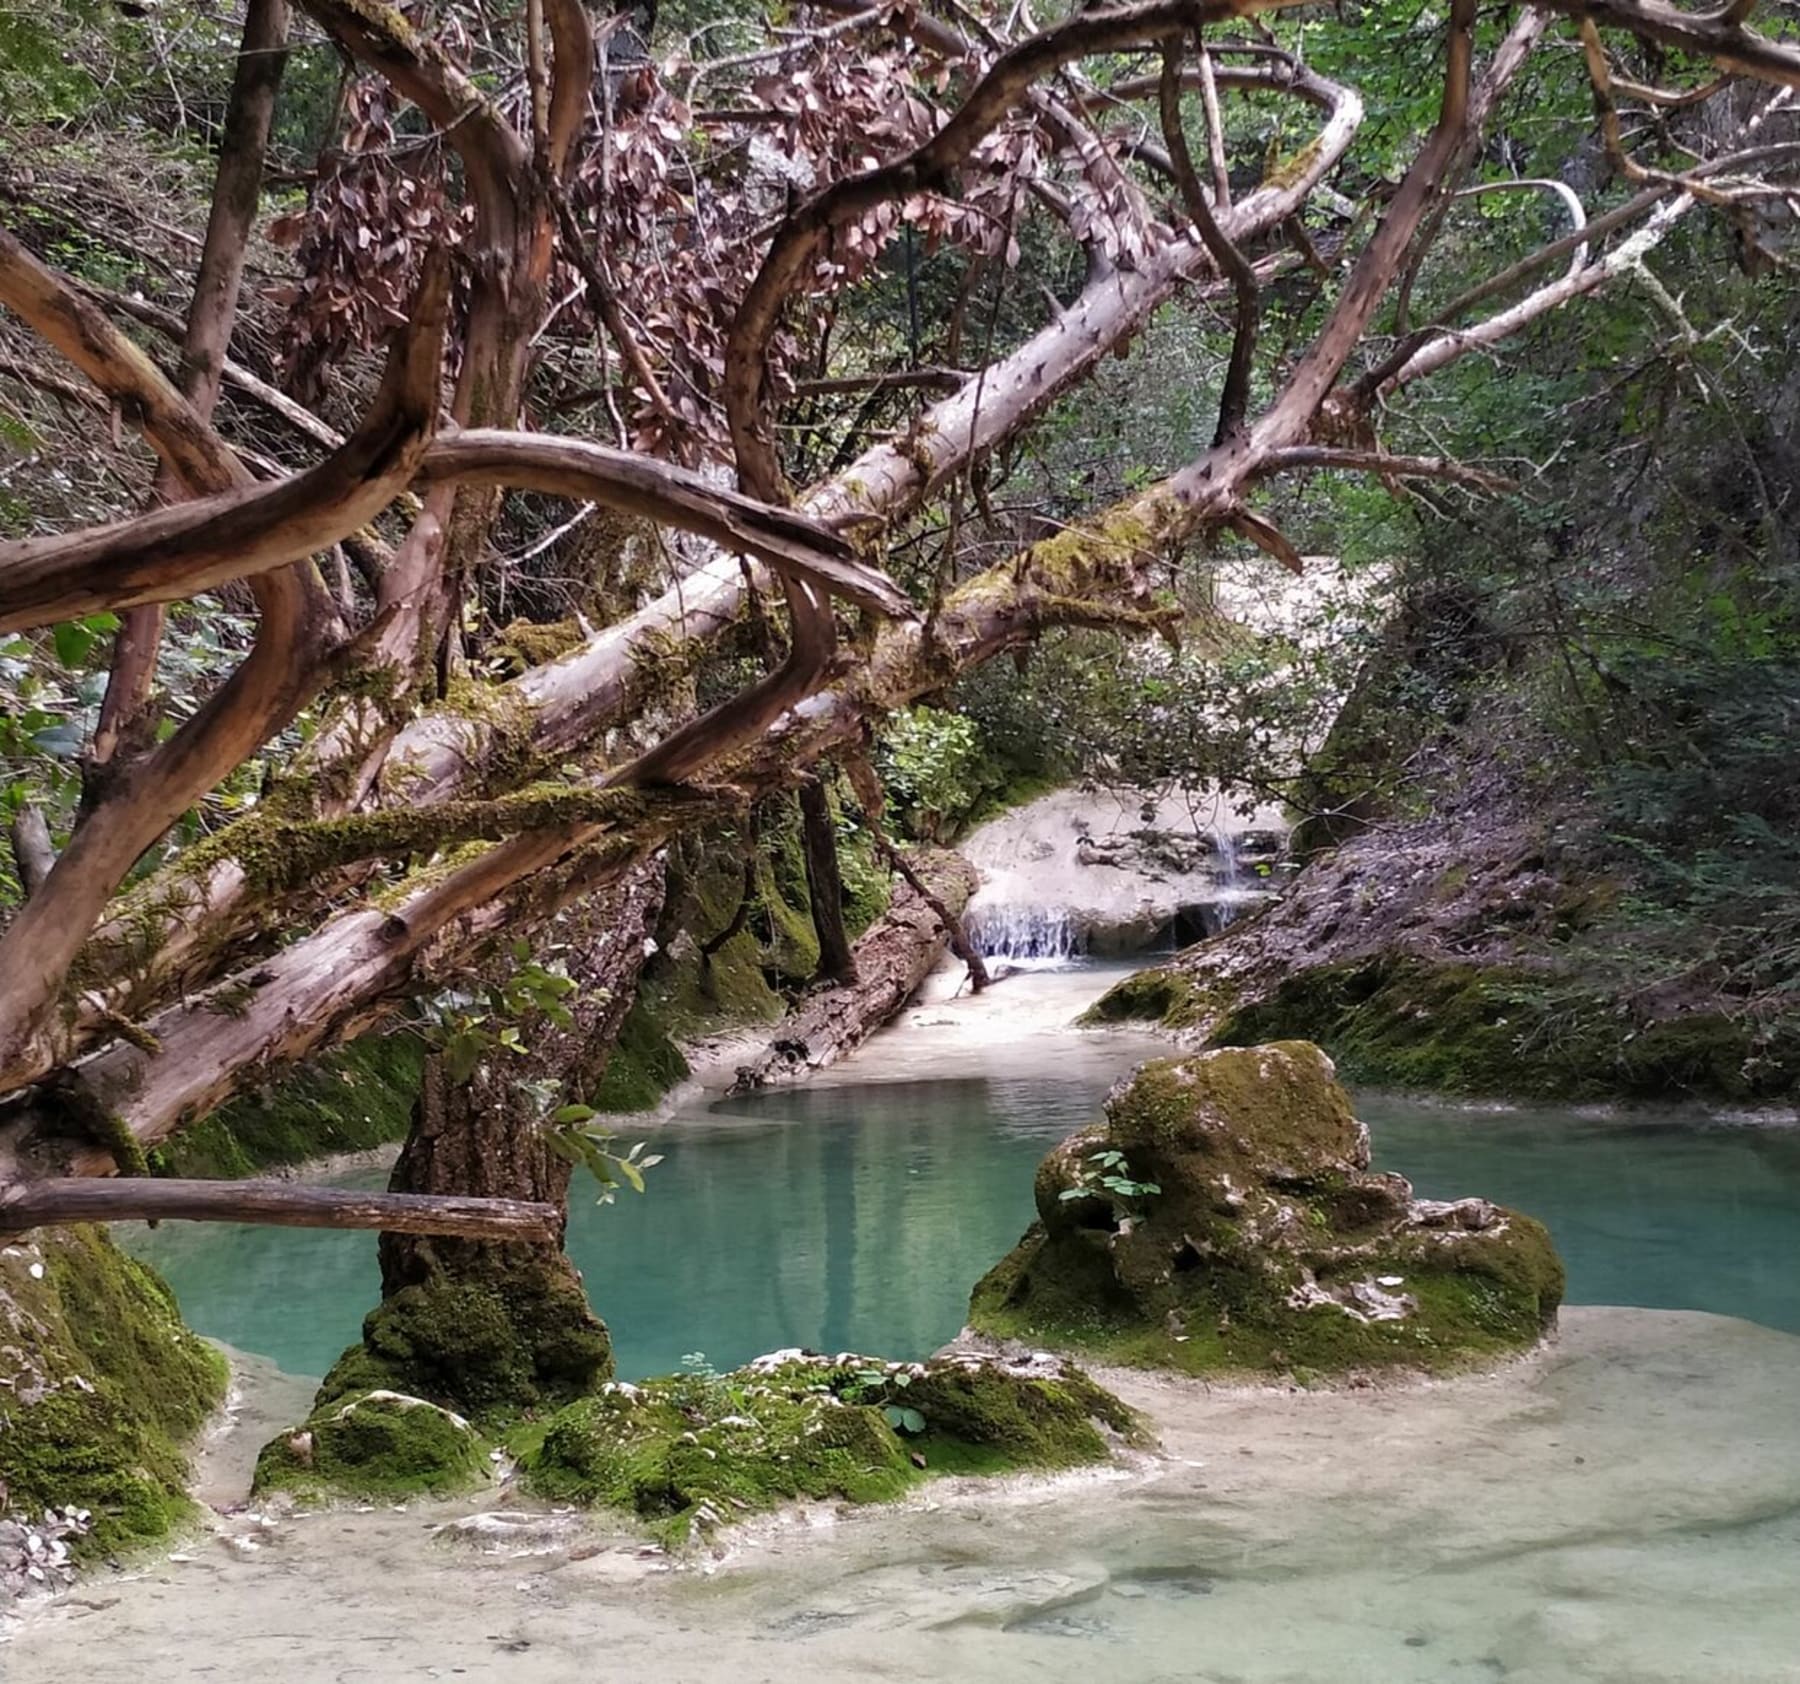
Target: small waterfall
{"type": "Point", "coordinates": [1090, 873]}
{"type": "Point", "coordinates": [1234, 885]}
{"type": "Point", "coordinates": [1019, 933]}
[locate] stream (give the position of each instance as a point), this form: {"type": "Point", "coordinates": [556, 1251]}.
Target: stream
{"type": "Point", "coordinates": [855, 1213]}
{"type": "Point", "coordinates": [1622, 1508]}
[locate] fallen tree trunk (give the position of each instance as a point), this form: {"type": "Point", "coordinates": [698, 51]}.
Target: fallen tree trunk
{"type": "Point", "coordinates": [892, 959]}
{"type": "Point", "coordinates": [283, 1204]}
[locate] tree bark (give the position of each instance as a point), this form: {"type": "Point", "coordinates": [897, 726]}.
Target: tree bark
{"type": "Point", "coordinates": [476, 1324]}
{"type": "Point", "coordinates": [892, 959]}
{"type": "Point", "coordinates": [825, 884]}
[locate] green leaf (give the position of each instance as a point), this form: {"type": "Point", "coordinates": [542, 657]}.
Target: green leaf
{"type": "Point", "coordinates": [573, 1114]}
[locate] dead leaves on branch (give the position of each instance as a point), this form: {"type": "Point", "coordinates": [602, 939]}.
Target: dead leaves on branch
{"type": "Point", "coordinates": [674, 215]}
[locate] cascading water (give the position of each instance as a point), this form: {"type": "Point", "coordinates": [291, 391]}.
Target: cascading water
{"type": "Point", "coordinates": [1025, 933]}
{"type": "Point", "coordinates": [1112, 874]}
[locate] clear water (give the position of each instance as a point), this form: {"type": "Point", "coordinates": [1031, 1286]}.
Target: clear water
{"type": "Point", "coordinates": [858, 1215]}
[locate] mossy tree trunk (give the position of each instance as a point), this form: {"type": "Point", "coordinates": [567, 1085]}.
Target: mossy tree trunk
{"type": "Point", "coordinates": [478, 1326]}
{"type": "Point", "coordinates": [825, 884]}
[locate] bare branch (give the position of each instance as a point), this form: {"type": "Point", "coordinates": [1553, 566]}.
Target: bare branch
{"type": "Point", "coordinates": [1303, 456]}
{"type": "Point", "coordinates": [181, 550]}
{"type": "Point", "coordinates": [641, 485]}
{"type": "Point", "coordinates": [283, 1204]}
{"type": "Point", "coordinates": [1234, 397]}
{"type": "Point", "coordinates": [926, 168]}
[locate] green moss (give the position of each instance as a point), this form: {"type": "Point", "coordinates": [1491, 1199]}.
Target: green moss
{"type": "Point", "coordinates": [694, 1451]}
{"type": "Point", "coordinates": [1168, 997]}
{"type": "Point", "coordinates": [521, 1338]}
{"type": "Point", "coordinates": [103, 1386]}
{"type": "Point", "coordinates": [1266, 1244]}
{"type": "Point", "coordinates": [527, 643]}
{"type": "Point", "coordinates": [357, 1097]}
{"type": "Point", "coordinates": [643, 1065]}
{"type": "Point", "coordinates": [377, 1444]}
{"type": "Point", "coordinates": [1460, 1028]}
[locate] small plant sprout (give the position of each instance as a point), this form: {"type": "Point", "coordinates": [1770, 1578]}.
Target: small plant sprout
{"type": "Point", "coordinates": [1106, 1172]}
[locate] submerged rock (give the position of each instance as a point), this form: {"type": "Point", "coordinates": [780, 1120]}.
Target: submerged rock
{"type": "Point", "coordinates": [691, 1452]}
{"type": "Point", "coordinates": [1224, 1218]}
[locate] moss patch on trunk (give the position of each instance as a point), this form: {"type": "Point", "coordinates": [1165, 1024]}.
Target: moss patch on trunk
{"type": "Point", "coordinates": [101, 1387]}
{"type": "Point", "coordinates": [522, 1339]}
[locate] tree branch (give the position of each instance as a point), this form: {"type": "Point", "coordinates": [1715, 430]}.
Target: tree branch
{"type": "Point", "coordinates": [789, 542]}
{"type": "Point", "coordinates": [926, 168]}
{"type": "Point", "coordinates": [283, 1204]}
{"type": "Point", "coordinates": [1234, 397]}
{"type": "Point", "coordinates": [183, 549]}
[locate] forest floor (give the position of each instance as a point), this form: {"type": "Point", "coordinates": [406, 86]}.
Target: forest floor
{"type": "Point", "coordinates": [1624, 1504]}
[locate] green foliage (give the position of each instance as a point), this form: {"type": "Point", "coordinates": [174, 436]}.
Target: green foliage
{"type": "Point", "coordinates": [1108, 1172]}
{"type": "Point", "coordinates": [932, 765]}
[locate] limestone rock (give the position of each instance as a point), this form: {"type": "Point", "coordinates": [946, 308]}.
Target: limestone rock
{"type": "Point", "coordinates": [1243, 1230]}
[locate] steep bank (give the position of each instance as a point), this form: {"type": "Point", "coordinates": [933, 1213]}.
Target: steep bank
{"type": "Point", "coordinates": [1464, 954]}
{"type": "Point", "coordinates": [102, 1388]}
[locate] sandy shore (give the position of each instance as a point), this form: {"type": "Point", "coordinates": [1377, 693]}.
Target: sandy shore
{"type": "Point", "coordinates": [1624, 1506]}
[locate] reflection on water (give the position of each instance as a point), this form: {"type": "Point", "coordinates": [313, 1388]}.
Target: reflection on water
{"type": "Point", "coordinates": [858, 1215]}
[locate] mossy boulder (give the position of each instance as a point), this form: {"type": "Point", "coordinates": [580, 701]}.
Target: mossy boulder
{"type": "Point", "coordinates": [101, 1387]}
{"type": "Point", "coordinates": [1165, 996]}
{"type": "Point", "coordinates": [1243, 1231]}
{"type": "Point", "coordinates": [377, 1443]}
{"type": "Point", "coordinates": [691, 1452]}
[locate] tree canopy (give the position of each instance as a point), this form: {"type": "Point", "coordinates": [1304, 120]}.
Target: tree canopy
{"type": "Point", "coordinates": [550, 430]}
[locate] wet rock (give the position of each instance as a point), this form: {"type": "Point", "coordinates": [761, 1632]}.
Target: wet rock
{"type": "Point", "coordinates": [1224, 1217]}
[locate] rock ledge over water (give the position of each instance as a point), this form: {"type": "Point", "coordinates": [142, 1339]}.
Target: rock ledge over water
{"type": "Point", "coordinates": [1224, 1218]}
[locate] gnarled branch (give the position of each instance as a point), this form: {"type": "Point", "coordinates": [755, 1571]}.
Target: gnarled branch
{"type": "Point", "coordinates": [183, 549]}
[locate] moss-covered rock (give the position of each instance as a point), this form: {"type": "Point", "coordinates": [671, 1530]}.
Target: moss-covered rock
{"type": "Point", "coordinates": [686, 993]}
{"type": "Point", "coordinates": [377, 1443]}
{"type": "Point", "coordinates": [1165, 996]}
{"type": "Point", "coordinates": [644, 1064]}
{"type": "Point", "coordinates": [1459, 1028]}
{"type": "Point", "coordinates": [357, 1097]}
{"type": "Point", "coordinates": [1224, 1218]}
{"type": "Point", "coordinates": [101, 1387]}
{"type": "Point", "coordinates": [695, 1451]}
